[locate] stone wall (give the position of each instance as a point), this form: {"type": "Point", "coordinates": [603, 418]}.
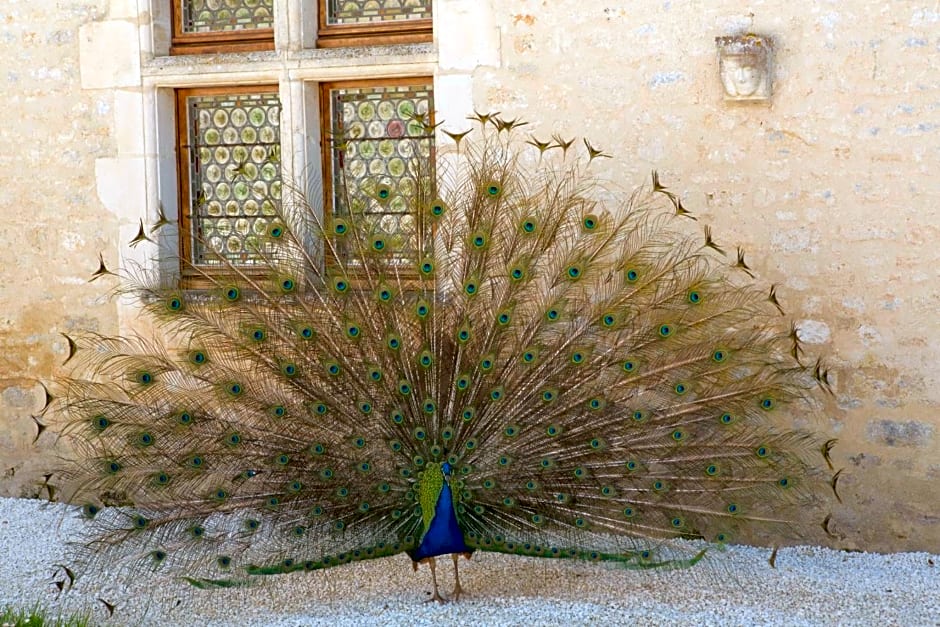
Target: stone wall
{"type": "Point", "coordinates": [832, 187]}
{"type": "Point", "coordinates": [54, 222]}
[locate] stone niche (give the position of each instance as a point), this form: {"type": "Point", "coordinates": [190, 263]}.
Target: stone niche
{"type": "Point", "coordinates": [744, 66]}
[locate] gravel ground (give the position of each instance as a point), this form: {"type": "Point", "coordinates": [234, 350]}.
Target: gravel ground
{"type": "Point", "coordinates": [809, 586]}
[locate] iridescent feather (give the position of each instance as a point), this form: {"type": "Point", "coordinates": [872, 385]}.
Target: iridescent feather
{"type": "Point", "coordinates": [543, 373]}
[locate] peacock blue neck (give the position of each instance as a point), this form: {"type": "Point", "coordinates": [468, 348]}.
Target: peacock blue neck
{"type": "Point", "coordinates": [442, 534]}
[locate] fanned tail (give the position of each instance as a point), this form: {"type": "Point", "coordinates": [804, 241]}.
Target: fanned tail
{"type": "Point", "coordinates": [599, 377]}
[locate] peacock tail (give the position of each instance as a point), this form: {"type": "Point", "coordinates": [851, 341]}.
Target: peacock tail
{"type": "Point", "coordinates": [582, 371]}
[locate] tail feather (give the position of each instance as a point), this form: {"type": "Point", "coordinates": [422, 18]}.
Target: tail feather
{"type": "Point", "coordinates": [601, 381]}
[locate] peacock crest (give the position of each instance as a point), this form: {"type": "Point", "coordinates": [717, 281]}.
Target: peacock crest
{"type": "Point", "coordinates": [534, 364]}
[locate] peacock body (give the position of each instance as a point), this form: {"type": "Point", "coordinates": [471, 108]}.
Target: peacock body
{"type": "Point", "coordinates": [530, 372]}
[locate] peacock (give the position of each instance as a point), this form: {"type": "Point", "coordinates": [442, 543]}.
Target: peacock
{"type": "Point", "coordinates": [536, 363]}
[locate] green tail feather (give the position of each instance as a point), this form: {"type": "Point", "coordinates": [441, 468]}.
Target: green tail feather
{"type": "Point", "coordinates": [600, 380]}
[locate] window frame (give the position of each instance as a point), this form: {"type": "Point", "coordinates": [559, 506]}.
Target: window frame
{"type": "Point", "coordinates": [193, 275]}
{"type": "Point", "coordinates": [370, 33]}
{"type": "Point", "coordinates": [242, 40]}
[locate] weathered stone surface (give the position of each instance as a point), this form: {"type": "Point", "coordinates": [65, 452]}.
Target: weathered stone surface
{"type": "Point", "coordinates": [900, 432]}
{"type": "Point", "coordinates": [109, 54]}
{"type": "Point", "coordinates": [831, 187]}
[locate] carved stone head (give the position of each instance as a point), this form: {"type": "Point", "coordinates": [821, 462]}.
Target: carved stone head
{"type": "Point", "coordinates": [744, 65]}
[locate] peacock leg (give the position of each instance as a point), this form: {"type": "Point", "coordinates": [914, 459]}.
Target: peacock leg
{"type": "Point", "coordinates": [437, 595]}
{"type": "Point", "coordinates": [457, 588]}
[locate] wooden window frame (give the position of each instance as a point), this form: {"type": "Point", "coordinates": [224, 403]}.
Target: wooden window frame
{"type": "Point", "coordinates": [371, 33]}
{"type": "Point", "coordinates": [192, 278]}
{"type": "Point", "coordinates": [326, 146]}
{"type": "Point", "coordinates": [245, 40]}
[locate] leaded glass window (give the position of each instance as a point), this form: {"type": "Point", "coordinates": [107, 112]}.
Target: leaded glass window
{"type": "Point", "coordinates": [211, 26]}
{"type": "Point", "coordinates": [210, 16]}
{"type": "Point", "coordinates": [368, 11]}
{"type": "Point", "coordinates": [382, 140]}
{"type": "Point", "coordinates": [232, 156]}
{"type": "Point", "coordinates": [373, 22]}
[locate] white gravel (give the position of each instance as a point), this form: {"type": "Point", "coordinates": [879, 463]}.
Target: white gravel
{"type": "Point", "coordinates": [809, 586]}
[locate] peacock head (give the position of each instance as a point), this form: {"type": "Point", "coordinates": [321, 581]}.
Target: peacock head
{"type": "Point", "coordinates": [446, 469]}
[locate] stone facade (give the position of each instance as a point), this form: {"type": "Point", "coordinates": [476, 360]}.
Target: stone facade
{"type": "Point", "coordinates": [831, 185]}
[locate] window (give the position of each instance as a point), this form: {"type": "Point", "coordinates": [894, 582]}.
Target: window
{"type": "Point", "coordinates": [201, 26]}
{"type": "Point", "coordinates": [380, 156]}
{"type": "Point", "coordinates": [229, 172]}
{"type": "Point", "coordinates": [211, 26]}
{"type": "Point", "coordinates": [359, 22]}
{"type": "Point", "coordinates": [348, 139]}
{"type": "Point", "coordinates": [377, 135]}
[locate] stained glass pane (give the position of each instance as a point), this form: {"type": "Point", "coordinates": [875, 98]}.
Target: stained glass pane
{"type": "Point", "coordinates": [381, 141]}
{"type": "Point", "coordinates": [210, 16]}
{"type": "Point", "coordinates": [235, 174]}
{"type": "Point", "coordinates": [366, 11]}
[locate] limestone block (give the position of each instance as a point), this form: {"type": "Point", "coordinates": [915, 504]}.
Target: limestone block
{"type": "Point", "coordinates": [129, 122]}
{"type": "Point", "coordinates": [467, 35]}
{"type": "Point", "coordinates": [453, 98]}
{"type": "Point", "coordinates": [109, 55]}
{"type": "Point", "coordinates": [123, 9]}
{"type": "Point", "coordinates": [121, 185]}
